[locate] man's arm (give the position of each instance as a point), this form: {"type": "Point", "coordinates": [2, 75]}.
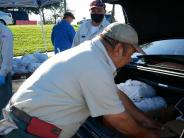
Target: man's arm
{"type": "Point", "coordinates": [76, 40]}
{"type": "Point", "coordinates": [137, 114]}
{"type": "Point", "coordinates": [77, 37]}
{"type": "Point", "coordinates": [125, 124]}
{"type": "Point", "coordinates": [71, 33]}
{"type": "Point", "coordinates": [7, 53]}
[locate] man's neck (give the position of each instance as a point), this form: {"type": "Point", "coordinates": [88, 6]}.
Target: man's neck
{"type": "Point", "coordinates": [95, 24]}
{"type": "Point", "coordinates": [108, 49]}
{"type": "Point", "coordinates": [66, 21]}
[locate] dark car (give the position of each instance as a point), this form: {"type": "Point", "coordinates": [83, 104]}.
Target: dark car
{"type": "Point", "coordinates": [160, 27]}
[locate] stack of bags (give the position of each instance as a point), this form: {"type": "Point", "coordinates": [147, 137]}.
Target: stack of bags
{"type": "Point", "coordinates": [28, 63]}
{"type": "Point", "coordinates": [143, 95]}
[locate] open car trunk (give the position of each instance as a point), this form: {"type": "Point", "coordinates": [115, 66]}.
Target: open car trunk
{"type": "Point", "coordinates": [168, 84]}
{"type": "Point", "coordinates": [166, 81]}
{"type": "Point", "coordinates": [154, 19]}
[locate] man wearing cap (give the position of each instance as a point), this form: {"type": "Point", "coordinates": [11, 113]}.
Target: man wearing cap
{"type": "Point", "coordinates": [90, 28]}
{"type": "Point", "coordinates": [63, 33]}
{"type": "Point", "coordinates": [85, 89]}
{"type": "Point", "coordinates": [6, 58]}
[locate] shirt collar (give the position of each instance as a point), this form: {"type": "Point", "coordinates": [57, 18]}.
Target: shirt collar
{"type": "Point", "coordinates": [98, 44]}
{"type": "Point", "coordinates": [104, 22]}
{"type": "Point", "coordinates": [64, 20]}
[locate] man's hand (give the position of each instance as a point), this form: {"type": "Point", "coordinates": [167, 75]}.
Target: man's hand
{"type": "Point", "coordinates": [137, 114]}
{"type": "Point", "coordinates": [125, 124]}
{"type": "Point", "coordinates": [149, 123]}
{"type": "Point", "coordinates": [2, 80]}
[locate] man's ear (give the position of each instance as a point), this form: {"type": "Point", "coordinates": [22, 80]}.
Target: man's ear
{"type": "Point", "coordinates": [118, 50]}
{"type": "Point", "coordinates": [105, 11]}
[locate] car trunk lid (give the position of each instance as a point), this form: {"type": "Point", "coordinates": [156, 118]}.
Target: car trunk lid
{"type": "Point", "coordinates": [154, 20]}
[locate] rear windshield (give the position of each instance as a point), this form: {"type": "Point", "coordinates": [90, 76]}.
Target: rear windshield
{"type": "Point", "coordinates": [165, 47]}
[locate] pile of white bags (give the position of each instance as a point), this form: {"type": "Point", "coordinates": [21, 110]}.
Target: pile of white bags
{"type": "Point", "coordinates": [137, 90]}
{"type": "Point", "coordinates": [28, 63]}
{"type": "Point", "coordinates": [151, 104]}
{"type": "Point", "coordinates": [18, 67]}
{"type": "Point", "coordinates": [143, 95]}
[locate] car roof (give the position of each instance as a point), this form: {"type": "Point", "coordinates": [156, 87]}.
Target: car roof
{"type": "Point", "coordinates": [154, 20]}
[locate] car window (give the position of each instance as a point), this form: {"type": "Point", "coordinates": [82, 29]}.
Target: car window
{"type": "Point", "coordinates": [118, 14]}
{"type": "Point", "coordinates": [117, 11]}
{"type": "Point", "coordinates": [165, 47]}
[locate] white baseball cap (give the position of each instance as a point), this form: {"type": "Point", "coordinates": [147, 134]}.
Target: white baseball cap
{"type": "Point", "coordinates": [123, 33]}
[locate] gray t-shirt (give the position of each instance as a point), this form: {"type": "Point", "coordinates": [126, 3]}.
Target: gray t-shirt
{"type": "Point", "coordinates": [87, 31]}
{"type": "Point", "coordinates": [6, 50]}
{"type": "Point", "coordinates": [71, 86]}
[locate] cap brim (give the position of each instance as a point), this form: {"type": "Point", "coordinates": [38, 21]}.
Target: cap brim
{"type": "Point", "coordinates": [139, 50]}
{"type": "Point", "coordinates": [96, 7]}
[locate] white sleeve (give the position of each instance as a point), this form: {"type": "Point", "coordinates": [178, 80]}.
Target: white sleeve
{"type": "Point", "coordinates": [7, 52]}
{"type": "Point", "coordinates": [100, 94]}
{"type": "Point", "coordinates": [76, 40]}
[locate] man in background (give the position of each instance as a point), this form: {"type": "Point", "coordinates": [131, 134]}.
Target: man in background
{"type": "Point", "coordinates": [6, 58]}
{"type": "Point", "coordinates": [63, 33]}
{"type": "Point", "coordinates": [94, 26]}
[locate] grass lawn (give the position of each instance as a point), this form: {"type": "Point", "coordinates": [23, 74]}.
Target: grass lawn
{"type": "Point", "coordinates": [28, 38]}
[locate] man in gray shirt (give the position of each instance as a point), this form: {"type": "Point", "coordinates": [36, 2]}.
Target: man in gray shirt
{"type": "Point", "coordinates": [85, 87]}
{"type": "Point", "coordinates": [94, 26]}
{"type": "Point", "coordinates": [6, 57]}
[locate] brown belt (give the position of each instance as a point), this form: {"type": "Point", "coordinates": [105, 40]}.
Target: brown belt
{"type": "Point", "coordinates": [34, 124]}
{"type": "Point", "coordinates": [21, 115]}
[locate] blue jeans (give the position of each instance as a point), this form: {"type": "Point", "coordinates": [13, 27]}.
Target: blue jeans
{"type": "Point", "coordinates": [5, 91]}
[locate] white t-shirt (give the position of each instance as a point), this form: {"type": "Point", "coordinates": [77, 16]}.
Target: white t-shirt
{"type": "Point", "coordinates": [6, 50]}
{"type": "Point", "coordinates": [87, 31]}
{"type": "Point", "coordinates": [71, 86]}
{"type": "Point", "coordinates": [94, 29]}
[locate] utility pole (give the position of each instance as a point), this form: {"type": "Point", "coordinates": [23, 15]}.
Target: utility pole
{"type": "Point", "coordinates": [113, 13]}
{"type": "Point", "coordinates": [64, 5]}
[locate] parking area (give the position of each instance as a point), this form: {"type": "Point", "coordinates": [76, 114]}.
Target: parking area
{"type": "Point", "coordinates": [16, 84]}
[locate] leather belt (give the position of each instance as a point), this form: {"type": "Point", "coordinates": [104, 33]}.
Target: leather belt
{"type": "Point", "coordinates": [21, 115]}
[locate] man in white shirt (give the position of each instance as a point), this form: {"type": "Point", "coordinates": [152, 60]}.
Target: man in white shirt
{"type": "Point", "coordinates": [94, 26]}
{"type": "Point", "coordinates": [85, 87]}
{"type": "Point", "coordinates": [6, 57]}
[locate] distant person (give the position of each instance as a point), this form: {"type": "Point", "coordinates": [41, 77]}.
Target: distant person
{"type": "Point", "coordinates": [63, 33]}
{"type": "Point", "coordinates": [6, 58]}
{"type": "Point", "coordinates": [94, 26]}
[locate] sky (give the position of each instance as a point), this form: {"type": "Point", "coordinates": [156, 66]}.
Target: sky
{"type": "Point", "coordinates": [80, 9]}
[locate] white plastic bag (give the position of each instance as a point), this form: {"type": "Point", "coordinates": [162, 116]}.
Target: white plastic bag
{"type": "Point", "coordinates": [33, 66]}
{"type": "Point", "coordinates": [150, 104]}
{"type": "Point", "coordinates": [40, 57]}
{"type": "Point", "coordinates": [28, 59]}
{"type": "Point", "coordinates": [136, 90]}
{"type": "Point", "coordinates": [18, 67]}
{"type": "Point", "coordinates": [7, 125]}
{"type": "Point", "coordinates": [28, 63]}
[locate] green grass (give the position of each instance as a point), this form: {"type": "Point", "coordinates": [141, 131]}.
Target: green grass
{"type": "Point", "coordinates": [28, 38]}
